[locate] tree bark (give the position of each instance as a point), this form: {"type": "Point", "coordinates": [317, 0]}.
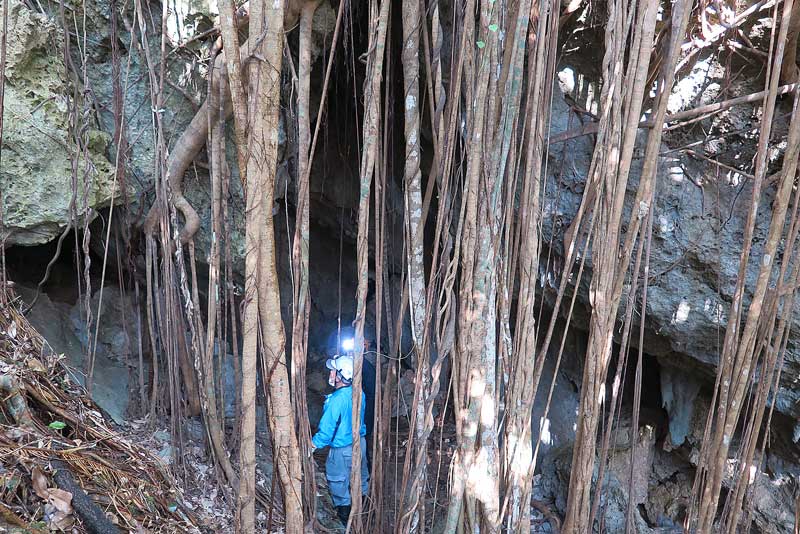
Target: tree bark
{"type": "Point", "coordinates": [300, 256]}
{"type": "Point", "coordinates": [523, 378]}
{"type": "Point", "coordinates": [250, 338]}
{"type": "Point", "coordinates": [606, 190]}
{"type": "Point", "coordinates": [262, 306]}
{"type": "Point", "coordinates": [230, 38]}
{"type": "Point", "coordinates": [371, 129]}
{"type": "Point", "coordinates": [414, 507]}
{"type": "Point", "coordinates": [789, 71]}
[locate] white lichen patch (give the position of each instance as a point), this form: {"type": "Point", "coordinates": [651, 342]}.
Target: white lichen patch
{"type": "Point", "coordinates": [682, 313]}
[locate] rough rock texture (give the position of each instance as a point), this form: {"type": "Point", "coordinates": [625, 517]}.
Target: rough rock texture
{"type": "Point", "coordinates": [662, 484]}
{"type": "Point", "coordinates": [36, 175]}
{"type": "Point", "coordinates": [697, 236]}
{"type": "Point", "coordinates": [60, 324]}
{"type": "Point", "coordinates": [700, 213]}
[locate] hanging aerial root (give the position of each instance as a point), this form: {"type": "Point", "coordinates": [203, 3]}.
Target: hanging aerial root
{"type": "Point", "coordinates": [194, 137]}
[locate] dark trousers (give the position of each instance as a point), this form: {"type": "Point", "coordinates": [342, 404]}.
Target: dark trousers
{"type": "Point", "coordinates": [369, 451]}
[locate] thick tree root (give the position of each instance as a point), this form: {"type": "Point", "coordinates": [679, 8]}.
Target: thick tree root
{"type": "Point", "coordinates": [186, 149]}
{"type": "Point", "coordinates": [195, 136]}
{"type": "Point", "coordinates": [92, 516]}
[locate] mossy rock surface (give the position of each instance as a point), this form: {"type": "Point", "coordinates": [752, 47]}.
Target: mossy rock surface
{"type": "Point", "coordinates": [36, 170]}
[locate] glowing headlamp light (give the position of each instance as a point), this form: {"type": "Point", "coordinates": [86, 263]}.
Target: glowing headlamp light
{"type": "Point", "coordinates": [348, 344]}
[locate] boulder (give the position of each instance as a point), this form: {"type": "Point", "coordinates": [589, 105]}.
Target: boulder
{"type": "Point", "coordinates": [63, 328]}
{"type": "Point", "coordinates": [115, 354]}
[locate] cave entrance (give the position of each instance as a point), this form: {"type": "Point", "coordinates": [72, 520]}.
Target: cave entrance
{"type": "Point", "coordinates": [58, 267]}
{"type": "Point", "coordinates": [651, 408]}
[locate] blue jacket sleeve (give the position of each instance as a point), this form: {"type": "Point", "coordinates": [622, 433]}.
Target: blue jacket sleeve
{"type": "Point", "coordinates": [327, 425]}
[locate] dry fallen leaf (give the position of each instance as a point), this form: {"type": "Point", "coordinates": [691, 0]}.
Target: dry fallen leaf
{"type": "Point", "coordinates": [13, 433]}
{"type": "Point", "coordinates": [58, 510]}
{"type": "Point", "coordinates": [36, 365]}
{"type": "Point", "coordinates": [60, 499]}
{"type": "Point", "coordinates": [57, 519]}
{"type": "Point", "coordinates": [39, 483]}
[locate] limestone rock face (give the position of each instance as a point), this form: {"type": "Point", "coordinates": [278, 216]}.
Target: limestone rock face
{"type": "Point", "coordinates": [36, 175]}
{"type": "Point", "coordinates": [699, 216]}
{"type": "Point", "coordinates": [699, 219]}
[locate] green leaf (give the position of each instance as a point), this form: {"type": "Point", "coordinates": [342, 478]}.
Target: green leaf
{"type": "Point", "coordinates": [173, 507]}
{"type": "Point", "coordinates": [492, 27]}
{"type": "Point", "coordinates": [480, 44]}
{"type": "Point", "coordinates": [57, 425]}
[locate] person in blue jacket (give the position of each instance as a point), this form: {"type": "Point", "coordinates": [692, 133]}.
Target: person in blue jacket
{"type": "Point", "coordinates": [342, 342]}
{"type": "Point", "coordinates": [335, 431]}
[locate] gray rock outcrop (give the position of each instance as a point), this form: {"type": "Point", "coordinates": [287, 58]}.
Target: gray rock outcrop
{"type": "Point", "coordinates": [38, 148]}
{"type": "Point", "coordinates": [63, 327]}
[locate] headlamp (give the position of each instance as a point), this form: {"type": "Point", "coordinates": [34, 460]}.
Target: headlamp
{"type": "Point", "coordinates": [348, 344]}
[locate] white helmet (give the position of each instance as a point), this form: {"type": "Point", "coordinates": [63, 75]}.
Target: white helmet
{"type": "Point", "coordinates": [343, 365]}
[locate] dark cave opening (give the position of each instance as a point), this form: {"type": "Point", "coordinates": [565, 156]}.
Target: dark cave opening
{"type": "Point", "coordinates": [651, 410]}
{"type": "Point", "coordinates": [60, 272]}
